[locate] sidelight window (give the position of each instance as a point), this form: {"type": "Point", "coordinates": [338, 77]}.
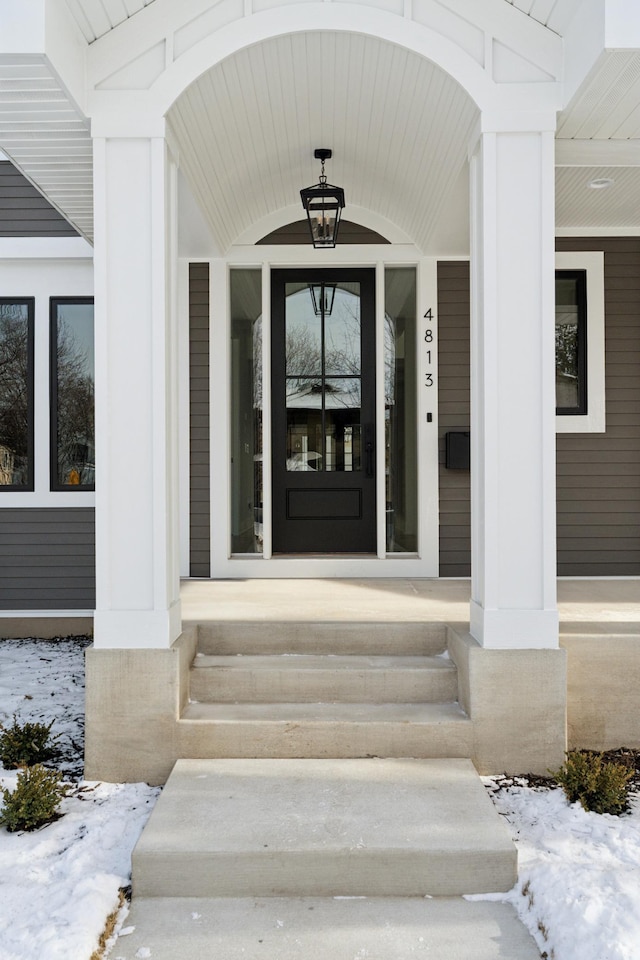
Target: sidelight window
{"type": "Point", "coordinates": [246, 411]}
{"type": "Point", "coordinates": [401, 440]}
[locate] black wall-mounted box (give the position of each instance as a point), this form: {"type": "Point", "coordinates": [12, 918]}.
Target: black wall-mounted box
{"type": "Point", "coordinates": [458, 451]}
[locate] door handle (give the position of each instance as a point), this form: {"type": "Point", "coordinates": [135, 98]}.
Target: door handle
{"type": "Point", "coordinates": [368, 447]}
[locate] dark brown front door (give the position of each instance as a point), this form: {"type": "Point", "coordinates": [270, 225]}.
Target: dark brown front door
{"type": "Point", "coordinates": [323, 403]}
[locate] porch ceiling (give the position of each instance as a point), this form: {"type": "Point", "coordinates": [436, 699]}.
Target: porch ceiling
{"type": "Point", "coordinates": [398, 127]}
{"type": "Point", "coordinates": [248, 128]}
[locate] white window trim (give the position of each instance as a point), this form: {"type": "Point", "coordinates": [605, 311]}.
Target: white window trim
{"type": "Point", "coordinates": [594, 421]}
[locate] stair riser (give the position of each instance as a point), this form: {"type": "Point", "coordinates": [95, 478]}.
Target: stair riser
{"type": "Point", "coordinates": [324, 929]}
{"type": "Point", "coordinates": [323, 740]}
{"type": "Point", "coordinates": [219, 685]}
{"type": "Point", "coordinates": [353, 873]}
{"type": "Point", "coordinates": [370, 639]}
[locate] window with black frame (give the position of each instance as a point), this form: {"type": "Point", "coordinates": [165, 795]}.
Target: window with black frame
{"type": "Point", "coordinates": [72, 394]}
{"type": "Point", "coordinates": [16, 393]}
{"type": "Point", "coordinates": [571, 342]}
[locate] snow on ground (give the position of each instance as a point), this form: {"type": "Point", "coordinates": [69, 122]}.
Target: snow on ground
{"type": "Point", "coordinates": [58, 884]}
{"type": "Point", "coordinates": [578, 891]}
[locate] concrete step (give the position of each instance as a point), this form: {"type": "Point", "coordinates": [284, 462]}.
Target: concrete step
{"type": "Point", "coordinates": [324, 929]}
{"type": "Point", "coordinates": [405, 639]}
{"type": "Point", "coordinates": [308, 678]}
{"type": "Point", "coordinates": [324, 730]}
{"type": "Point", "coordinates": [323, 828]}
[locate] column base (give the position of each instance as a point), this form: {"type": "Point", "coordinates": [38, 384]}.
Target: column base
{"type": "Point", "coordinates": [133, 701]}
{"type": "Point", "coordinates": [137, 629]}
{"type": "Point", "coordinates": [514, 629]}
{"type": "Point", "coordinates": [517, 702]}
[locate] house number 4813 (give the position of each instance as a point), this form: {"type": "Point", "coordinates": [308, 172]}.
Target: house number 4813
{"type": "Point", "coordinates": [428, 339]}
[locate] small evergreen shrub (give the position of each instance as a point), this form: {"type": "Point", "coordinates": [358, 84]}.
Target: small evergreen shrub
{"type": "Point", "coordinates": [22, 745]}
{"type": "Point", "coordinates": [35, 799]}
{"type": "Point", "coordinates": [599, 785]}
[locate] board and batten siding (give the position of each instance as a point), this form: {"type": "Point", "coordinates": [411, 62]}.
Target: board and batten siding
{"type": "Point", "coordinates": [47, 558]}
{"type": "Point", "coordinates": [24, 212]}
{"type": "Point", "coordinates": [199, 488]}
{"type": "Point", "coordinates": [598, 474]}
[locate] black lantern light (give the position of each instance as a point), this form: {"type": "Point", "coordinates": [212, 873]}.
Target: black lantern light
{"type": "Point", "coordinates": [323, 203]}
{"type": "Point", "coordinates": [322, 297]}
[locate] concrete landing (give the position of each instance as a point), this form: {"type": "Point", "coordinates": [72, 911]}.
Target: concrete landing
{"type": "Point", "coordinates": [324, 929]}
{"type": "Point", "coordinates": [323, 828]}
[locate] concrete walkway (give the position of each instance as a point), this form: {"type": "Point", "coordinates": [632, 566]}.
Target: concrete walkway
{"type": "Point", "coordinates": [323, 859]}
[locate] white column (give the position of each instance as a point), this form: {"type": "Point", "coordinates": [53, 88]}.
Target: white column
{"type": "Point", "coordinates": [513, 479]}
{"type": "Point", "coordinates": [137, 543]}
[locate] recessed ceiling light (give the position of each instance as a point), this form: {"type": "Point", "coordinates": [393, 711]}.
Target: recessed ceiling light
{"type": "Point", "coordinates": [601, 183]}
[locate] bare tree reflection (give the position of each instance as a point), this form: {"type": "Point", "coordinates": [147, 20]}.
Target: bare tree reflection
{"type": "Point", "coordinates": [75, 409]}
{"type": "Point", "coordinates": [14, 395]}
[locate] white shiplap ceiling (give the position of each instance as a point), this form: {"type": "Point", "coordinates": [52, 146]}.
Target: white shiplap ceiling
{"type": "Point", "coordinates": [47, 138]}
{"type": "Point", "coordinates": [398, 127]}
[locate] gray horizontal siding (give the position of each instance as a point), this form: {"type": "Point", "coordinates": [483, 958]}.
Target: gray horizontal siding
{"type": "Point", "coordinates": [598, 475]}
{"type": "Point", "coordinates": [24, 212]}
{"type": "Point", "coordinates": [453, 415]}
{"type": "Point", "coordinates": [199, 500]}
{"type": "Point", "coordinates": [47, 558]}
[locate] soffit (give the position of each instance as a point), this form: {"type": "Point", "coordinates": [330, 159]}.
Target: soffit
{"type": "Point", "coordinates": [398, 126]}
{"type": "Point", "coordinates": [554, 14]}
{"type": "Point", "coordinates": [601, 123]}
{"type": "Point", "coordinates": [98, 17]}
{"type": "Point", "coordinates": [47, 139]}
{"type": "Point", "coordinates": [607, 105]}
{"type": "Point", "coordinates": [578, 206]}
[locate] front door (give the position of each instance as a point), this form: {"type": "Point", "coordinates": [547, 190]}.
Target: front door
{"type": "Point", "coordinates": [323, 403]}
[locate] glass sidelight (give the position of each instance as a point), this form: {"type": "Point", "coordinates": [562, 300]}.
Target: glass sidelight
{"type": "Point", "coordinates": [323, 371]}
{"type": "Point", "coordinates": [246, 411]}
{"type": "Point", "coordinates": [400, 402]}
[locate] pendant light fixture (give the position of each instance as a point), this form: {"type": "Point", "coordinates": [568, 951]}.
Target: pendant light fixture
{"type": "Point", "coordinates": [323, 204]}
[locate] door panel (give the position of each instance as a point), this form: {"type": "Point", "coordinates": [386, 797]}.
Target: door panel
{"type": "Point", "coordinates": [323, 390]}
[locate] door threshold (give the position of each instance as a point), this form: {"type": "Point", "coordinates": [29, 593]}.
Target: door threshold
{"type": "Point", "coordinates": [321, 556]}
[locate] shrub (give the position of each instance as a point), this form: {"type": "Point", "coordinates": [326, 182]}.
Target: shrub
{"type": "Point", "coordinates": [23, 745]}
{"type": "Point", "coordinates": [599, 785]}
{"type": "Point", "coordinates": [34, 801]}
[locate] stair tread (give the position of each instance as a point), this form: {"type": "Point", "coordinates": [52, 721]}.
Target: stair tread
{"type": "Point", "coordinates": [326, 711]}
{"type": "Point", "coordinates": [325, 929]}
{"type": "Point", "coordinates": [285, 827]}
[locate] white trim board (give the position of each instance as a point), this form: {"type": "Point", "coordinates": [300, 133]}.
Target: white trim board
{"type": "Point", "coordinates": [382, 565]}
{"type": "Point", "coordinates": [594, 421]}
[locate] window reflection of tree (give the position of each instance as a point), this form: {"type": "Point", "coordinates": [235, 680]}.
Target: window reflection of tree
{"type": "Point", "coordinates": [14, 395]}
{"type": "Point", "coordinates": [75, 409]}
